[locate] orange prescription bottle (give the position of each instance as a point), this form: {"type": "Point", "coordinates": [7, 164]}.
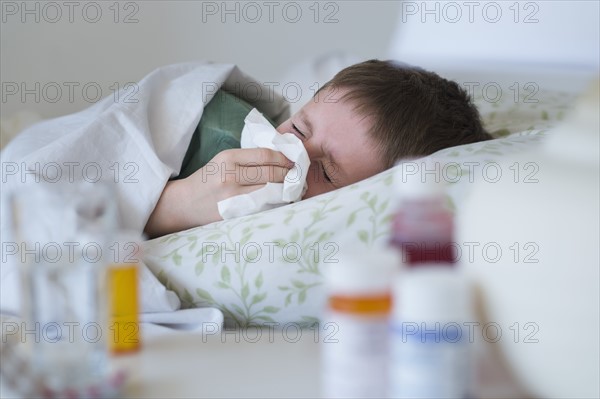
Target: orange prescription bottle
{"type": "Point", "coordinates": [123, 309]}
{"type": "Point", "coordinates": [354, 344]}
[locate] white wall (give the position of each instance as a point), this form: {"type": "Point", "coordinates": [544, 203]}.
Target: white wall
{"type": "Point", "coordinates": [74, 50]}
{"type": "Point", "coordinates": [560, 33]}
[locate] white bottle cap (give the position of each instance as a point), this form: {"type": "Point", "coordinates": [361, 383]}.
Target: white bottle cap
{"type": "Point", "coordinates": [363, 273]}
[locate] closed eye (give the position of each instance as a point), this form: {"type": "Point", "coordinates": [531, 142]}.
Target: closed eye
{"type": "Point", "coordinates": [325, 175]}
{"type": "Point", "coordinates": [296, 130]}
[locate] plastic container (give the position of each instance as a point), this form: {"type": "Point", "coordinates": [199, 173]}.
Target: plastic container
{"type": "Point", "coordinates": [124, 327]}
{"type": "Point", "coordinates": [430, 333]}
{"type": "Point", "coordinates": [354, 346]}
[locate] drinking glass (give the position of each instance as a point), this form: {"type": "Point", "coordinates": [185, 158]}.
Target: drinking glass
{"type": "Point", "coordinates": [62, 232]}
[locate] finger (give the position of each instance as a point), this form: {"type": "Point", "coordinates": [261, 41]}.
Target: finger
{"type": "Point", "coordinates": [250, 175]}
{"type": "Point", "coordinates": [256, 156]}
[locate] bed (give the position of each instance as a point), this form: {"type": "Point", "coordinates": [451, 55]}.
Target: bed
{"type": "Point", "coordinates": [268, 268]}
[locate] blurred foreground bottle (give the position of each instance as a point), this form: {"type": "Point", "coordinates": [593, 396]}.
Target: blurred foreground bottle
{"type": "Point", "coordinates": [355, 341]}
{"type": "Point", "coordinates": [429, 336]}
{"type": "Point", "coordinates": [544, 290]}
{"type": "Point", "coordinates": [124, 327]}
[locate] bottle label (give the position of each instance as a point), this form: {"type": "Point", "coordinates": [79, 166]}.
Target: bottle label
{"type": "Point", "coordinates": [354, 361]}
{"type": "Point", "coordinates": [428, 363]}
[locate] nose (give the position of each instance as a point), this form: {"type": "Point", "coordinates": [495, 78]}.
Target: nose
{"type": "Point", "coordinates": [313, 151]}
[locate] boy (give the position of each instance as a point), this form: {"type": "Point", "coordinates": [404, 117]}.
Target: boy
{"type": "Point", "coordinates": [369, 116]}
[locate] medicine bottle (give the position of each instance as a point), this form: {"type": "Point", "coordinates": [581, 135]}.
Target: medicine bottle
{"type": "Point", "coordinates": [123, 309]}
{"type": "Point", "coordinates": [354, 343]}
{"type": "Point", "coordinates": [430, 334]}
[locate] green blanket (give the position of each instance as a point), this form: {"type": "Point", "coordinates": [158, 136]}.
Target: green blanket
{"type": "Point", "coordinates": [220, 128]}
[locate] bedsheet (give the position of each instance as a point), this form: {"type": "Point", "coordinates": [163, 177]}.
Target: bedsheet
{"type": "Point", "coordinates": [134, 144]}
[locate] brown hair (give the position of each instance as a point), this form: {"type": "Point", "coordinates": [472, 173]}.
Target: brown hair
{"type": "Point", "coordinates": [415, 112]}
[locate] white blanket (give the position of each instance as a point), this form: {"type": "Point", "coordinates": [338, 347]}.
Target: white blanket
{"type": "Point", "coordinates": [135, 146]}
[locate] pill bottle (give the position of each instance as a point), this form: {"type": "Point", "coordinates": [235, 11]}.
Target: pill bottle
{"type": "Point", "coordinates": [430, 328]}
{"type": "Point", "coordinates": [354, 339]}
{"type": "Point", "coordinates": [122, 283]}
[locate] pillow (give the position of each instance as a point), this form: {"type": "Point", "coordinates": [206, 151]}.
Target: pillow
{"type": "Point", "coordinates": [506, 111]}
{"type": "Point", "coordinates": [269, 267]}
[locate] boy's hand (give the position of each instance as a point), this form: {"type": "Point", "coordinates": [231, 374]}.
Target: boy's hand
{"type": "Point", "coordinates": [240, 171]}
{"type": "Point", "coordinates": [193, 201]}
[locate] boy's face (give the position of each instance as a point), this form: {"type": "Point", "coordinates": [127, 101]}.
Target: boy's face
{"type": "Point", "coordinates": [337, 140]}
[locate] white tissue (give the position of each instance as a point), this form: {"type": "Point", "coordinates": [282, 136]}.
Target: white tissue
{"type": "Point", "coordinates": [258, 132]}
